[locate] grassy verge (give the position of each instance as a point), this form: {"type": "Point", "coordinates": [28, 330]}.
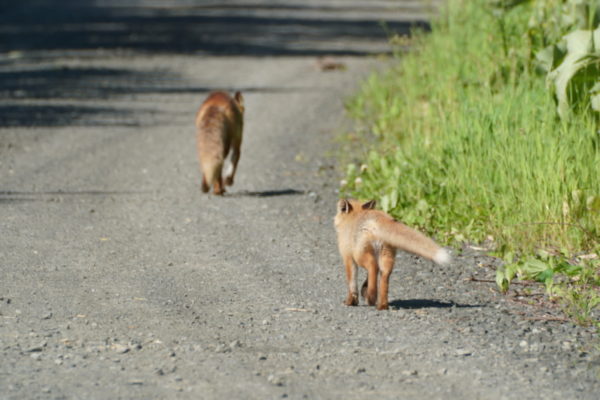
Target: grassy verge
{"type": "Point", "coordinates": [463, 140]}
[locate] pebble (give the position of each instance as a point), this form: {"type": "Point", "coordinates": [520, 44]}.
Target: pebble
{"type": "Point", "coordinates": [119, 348]}
{"type": "Point", "coordinates": [37, 348]}
{"type": "Point", "coordinates": [135, 345]}
{"type": "Point", "coordinates": [275, 380]}
{"type": "Point", "coordinates": [221, 348]}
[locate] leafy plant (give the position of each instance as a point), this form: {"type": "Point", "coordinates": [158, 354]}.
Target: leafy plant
{"type": "Point", "coordinates": [575, 79]}
{"type": "Point", "coordinates": [564, 43]}
{"type": "Point", "coordinates": [551, 20]}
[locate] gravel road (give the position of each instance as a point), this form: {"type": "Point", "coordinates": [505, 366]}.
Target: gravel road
{"type": "Point", "coordinates": [119, 279]}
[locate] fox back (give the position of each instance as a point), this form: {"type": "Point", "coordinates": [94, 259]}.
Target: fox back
{"type": "Point", "coordinates": [219, 126]}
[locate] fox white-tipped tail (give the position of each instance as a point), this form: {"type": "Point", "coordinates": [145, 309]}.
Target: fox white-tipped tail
{"type": "Point", "coordinates": [442, 257]}
{"type": "Point", "coordinates": [404, 238]}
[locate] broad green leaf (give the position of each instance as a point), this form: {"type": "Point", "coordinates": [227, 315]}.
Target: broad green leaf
{"type": "Point", "coordinates": [593, 203]}
{"type": "Point", "coordinates": [595, 101]}
{"type": "Point", "coordinates": [545, 275]}
{"type": "Point", "coordinates": [550, 57]}
{"type": "Point", "coordinates": [501, 280]}
{"type": "Point", "coordinates": [578, 72]}
{"type": "Point", "coordinates": [510, 271]}
{"type": "Point", "coordinates": [532, 268]}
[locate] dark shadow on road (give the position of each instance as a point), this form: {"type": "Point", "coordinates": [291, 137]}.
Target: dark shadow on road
{"type": "Point", "coordinates": [35, 32]}
{"type": "Point", "coordinates": [13, 200]}
{"type": "Point", "coordinates": [89, 83]}
{"type": "Point", "coordinates": [52, 82]}
{"type": "Point", "coordinates": [10, 196]}
{"type": "Point", "coordinates": [74, 192]}
{"type": "Point", "coordinates": [266, 193]}
{"type": "Point", "coordinates": [38, 115]}
{"type": "Point", "coordinates": [183, 27]}
{"type": "Point", "coordinates": [426, 303]}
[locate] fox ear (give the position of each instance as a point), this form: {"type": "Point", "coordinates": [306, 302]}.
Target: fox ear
{"type": "Point", "coordinates": [369, 205]}
{"type": "Point", "coordinates": [239, 98]}
{"type": "Point", "coordinates": [344, 206]}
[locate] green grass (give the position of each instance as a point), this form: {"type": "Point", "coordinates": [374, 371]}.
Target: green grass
{"type": "Point", "coordinates": [463, 140]}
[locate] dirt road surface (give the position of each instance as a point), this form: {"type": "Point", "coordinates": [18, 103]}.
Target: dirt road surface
{"type": "Point", "coordinates": [120, 280]}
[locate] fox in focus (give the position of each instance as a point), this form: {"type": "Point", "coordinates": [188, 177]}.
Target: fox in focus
{"type": "Point", "coordinates": [370, 238]}
{"type": "Point", "coordinates": [219, 126]}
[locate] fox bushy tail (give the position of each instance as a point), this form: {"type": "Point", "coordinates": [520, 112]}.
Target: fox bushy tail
{"type": "Point", "coordinates": [404, 238]}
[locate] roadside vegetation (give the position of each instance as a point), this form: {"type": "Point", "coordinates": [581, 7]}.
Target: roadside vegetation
{"type": "Point", "coordinates": [487, 132]}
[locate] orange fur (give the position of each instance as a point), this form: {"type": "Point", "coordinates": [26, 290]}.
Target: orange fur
{"type": "Point", "coordinates": [370, 238]}
{"type": "Point", "coordinates": [219, 126]}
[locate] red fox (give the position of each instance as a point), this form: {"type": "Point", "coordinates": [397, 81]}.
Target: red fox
{"type": "Point", "coordinates": [219, 125]}
{"type": "Point", "coordinates": [369, 238]}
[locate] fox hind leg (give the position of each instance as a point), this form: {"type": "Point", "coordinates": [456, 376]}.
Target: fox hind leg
{"type": "Point", "coordinates": [235, 158]}
{"type": "Point", "coordinates": [370, 263]}
{"type": "Point", "coordinates": [205, 187]}
{"type": "Point", "coordinates": [218, 187]}
{"type": "Point", "coordinates": [386, 264]}
{"type": "Point", "coordinates": [351, 270]}
{"type": "Point", "coordinates": [363, 289]}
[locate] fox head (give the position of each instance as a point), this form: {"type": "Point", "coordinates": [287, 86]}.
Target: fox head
{"type": "Point", "coordinates": [348, 207]}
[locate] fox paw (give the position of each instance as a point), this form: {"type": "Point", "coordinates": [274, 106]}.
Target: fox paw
{"type": "Point", "coordinates": [205, 187]}
{"type": "Point", "coordinates": [351, 300]}
{"type": "Point", "coordinates": [229, 180]}
{"type": "Point", "coordinates": [371, 299]}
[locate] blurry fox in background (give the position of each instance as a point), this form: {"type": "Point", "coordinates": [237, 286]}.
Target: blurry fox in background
{"type": "Point", "coordinates": [219, 125]}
